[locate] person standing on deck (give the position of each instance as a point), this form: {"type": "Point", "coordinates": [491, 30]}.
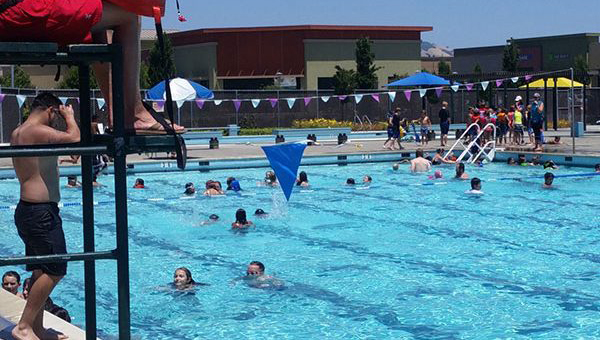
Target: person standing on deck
{"type": "Point", "coordinates": [444, 123]}
{"type": "Point", "coordinates": [37, 215]}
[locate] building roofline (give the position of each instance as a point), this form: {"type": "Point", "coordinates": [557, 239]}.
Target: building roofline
{"type": "Point", "coordinates": [480, 48]}
{"type": "Point", "coordinates": [309, 28]}
{"type": "Point", "coordinates": [562, 36]}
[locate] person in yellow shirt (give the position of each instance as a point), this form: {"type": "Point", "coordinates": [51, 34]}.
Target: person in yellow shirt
{"type": "Point", "coordinates": [518, 124]}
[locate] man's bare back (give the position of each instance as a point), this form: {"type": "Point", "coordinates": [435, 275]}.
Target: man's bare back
{"type": "Point", "coordinates": [39, 176]}
{"type": "Point", "coordinates": [420, 164]}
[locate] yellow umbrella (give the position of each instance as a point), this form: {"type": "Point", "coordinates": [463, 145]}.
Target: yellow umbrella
{"type": "Point", "coordinates": [560, 82]}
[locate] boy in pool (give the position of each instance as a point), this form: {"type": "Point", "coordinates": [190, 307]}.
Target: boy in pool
{"type": "Point", "coordinates": [548, 180]}
{"type": "Point", "coordinates": [240, 220]}
{"type": "Point", "coordinates": [11, 281]}
{"type": "Point", "coordinates": [475, 187]}
{"type": "Point", "coordinates": [256, 278]}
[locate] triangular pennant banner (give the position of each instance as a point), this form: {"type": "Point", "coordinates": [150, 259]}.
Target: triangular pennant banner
{"type": "Point", "coordinates": [407, 94]}
{"type": "Point", "coordinates": [180, 103]}
{"type": "Point", "coordinates": [342, 98]}
{"type": "Point", "coordinates": [217, 102]}
{"type": "Point", "coordinates": [273, 102]}
{"type": "Point", "coordinates": [237, 103]}
{"type": "Point", "coordinates": [375, 97]}
{"type": "Point", "coordinates": [422, 92]}
{"type": "Point", "coordinates": [2, 97]}
{"type": "Point", "coordinates": [200, 103]}
{"type": "Point", "coordinates": [101, 102]}
{"type": "Point", "coordinates": [484, 85]}
{"type": "Point", "coordinates": [63, 100]}
{"type": "Point", "coordinates": [469, 86]}
{"type": "Point", "coordinates": [307, 101]}
{"type": "Point", "coordinates": [392, 96]}
{"type": "Point", "coordinates": [499, 82]}
{"type": "Point", "coordinates": [285, 160]}
{"type": "Point", "coordinates": [291, 102]}
{"type": "Point", "coordinates": [160, 104]}
{"type": "Point", "coordinates": [454, 87]}
{"type": "Point", "coordinates": [358, 98]}
{"type": "Point", "coordinates": [438, 91]}
{"type": "Point", "coordinates": [325, 99]}
{"type": "Point", "coordinates": [514, 79]}
{"type": "Point", "coordinates": [255, 103]}
{"type": "Point", "coordinates": [528, 77]}
{"type": "Point", "coordinates": [21, 100]}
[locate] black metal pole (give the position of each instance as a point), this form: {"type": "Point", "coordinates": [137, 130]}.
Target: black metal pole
{"type": "Point", "coordinates": [555, 105]}
{"type": "Point", "coordinates": [452, 102]}
{"type": "Point", "coordinates": [584, 106]}
{"type": "Point", "coordinates": [120, 168]}
{"type": "Point", "coordinates": [546, 103]}
{"type": "Point", "coordinates": [87, 201]}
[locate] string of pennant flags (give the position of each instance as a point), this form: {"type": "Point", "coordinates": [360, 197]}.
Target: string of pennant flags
{"type": "Point", "coordinates": [274, 102]}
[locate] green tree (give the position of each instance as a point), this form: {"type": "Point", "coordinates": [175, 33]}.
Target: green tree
{"type": "Point", "coordinates": [477, 69]}
{"type": "Point", "coordinates": [443, 68]}
{"type": "Point", "coordinates": [510, 58]}
{"type": "Point", "coordinates": [22, 79]}
{"type": "Point", "coordinates": [581, 69]}
{"type": "Point", "coordinates": [71, 79]}
{"type": "Point", "coordinates": [344, 82]}
{"type": "Point", "coordinates": [159, 65]}
{"type": "Point", "coordinates": [145, 82]}
{"type": "Point", "coordinates": [365, 68]}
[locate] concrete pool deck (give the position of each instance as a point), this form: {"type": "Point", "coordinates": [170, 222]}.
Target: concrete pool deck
{"type": "Point", "coordinates": [588, 145]}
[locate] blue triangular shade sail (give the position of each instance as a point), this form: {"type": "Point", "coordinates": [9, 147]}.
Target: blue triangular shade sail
{"type": "Point", "coordinates": [420, 79]}
{"type": "Point", "coordinates": [285, 161]}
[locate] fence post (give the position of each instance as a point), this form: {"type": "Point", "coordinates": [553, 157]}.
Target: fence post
{"type": "Point", "coordinates": [278, 108]}
{"type": "Point", "coordinates": [318, 99]}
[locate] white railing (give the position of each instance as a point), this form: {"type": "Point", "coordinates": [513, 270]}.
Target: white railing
{"type": "Point", "coordinates": [474, 150]}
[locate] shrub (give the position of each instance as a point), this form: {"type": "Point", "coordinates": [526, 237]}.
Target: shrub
{"type": "Point", "coordinates": [256, 131]}
{"type": "Point", "coordinates": [562, 123]}
{"type": "Point", "coordinates": [332, 123]}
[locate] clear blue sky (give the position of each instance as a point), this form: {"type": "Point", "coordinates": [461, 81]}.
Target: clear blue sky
{"type": "Point", "coordinates": [456, 23]}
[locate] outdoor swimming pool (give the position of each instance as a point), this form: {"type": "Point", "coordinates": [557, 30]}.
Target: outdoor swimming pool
{"type": "Point", "coordinates": [394, 261]}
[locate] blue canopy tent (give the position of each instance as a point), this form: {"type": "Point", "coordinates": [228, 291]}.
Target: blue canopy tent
{"type": "Point", "coordinates": [182, 89]}
{"type": "Point", "coordinates": [421, 79]}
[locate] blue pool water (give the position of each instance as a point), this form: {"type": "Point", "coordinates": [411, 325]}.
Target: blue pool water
{"type": "Point", "coordinates": [396, 261]}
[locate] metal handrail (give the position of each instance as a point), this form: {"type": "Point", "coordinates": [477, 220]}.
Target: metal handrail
{"type": "Point", "coordinates": [459, 141]}
{"type": "Point", "coordinates": [365, 117]}
{"type": "Point", "coordinates": [474, 143]}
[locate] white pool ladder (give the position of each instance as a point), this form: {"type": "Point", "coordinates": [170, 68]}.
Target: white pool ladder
{"type": "Point", "coordinates": [488, 150]}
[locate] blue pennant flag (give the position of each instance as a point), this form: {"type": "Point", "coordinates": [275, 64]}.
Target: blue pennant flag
{"type": "Point", "coordinates": [285, 161]}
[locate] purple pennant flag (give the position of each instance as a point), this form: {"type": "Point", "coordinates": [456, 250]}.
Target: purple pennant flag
{"type": "Point", "coordinates": [407, 94]}
{"type": "Point", "coordinates": [438, 91]}
{"type": "Point", "coordinates": [528, 78]}
{"type": "Point", "coordinates": [342, 98]}
{"type": "Point", "coordinates": [307, 101]}
{"type": "Point", "coordinates": [2, 97]}
{"type": "Point", "coordinates": [469, 86]}
{"type": "Point", "coordinates": [375, 97]}
{"type": "Point", "coordinates": [160, 104]}
{"type": "Point", "coordinates": [499, 82]}
{"type": "Point", "coordinates": [237, 103]}
{"type": "Point", "coordinates": [273, 102]}
{"type": "Point", "coordinates": [200, 103]}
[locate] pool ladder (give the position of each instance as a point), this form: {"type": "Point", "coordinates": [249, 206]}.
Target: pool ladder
{"type": "Point", "coordinates": [473, 150]}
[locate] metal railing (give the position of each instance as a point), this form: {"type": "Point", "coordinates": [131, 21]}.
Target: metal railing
{"type": "Point", "coordinates": [116, 146]}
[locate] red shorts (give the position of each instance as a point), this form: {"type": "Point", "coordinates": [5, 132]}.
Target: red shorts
{"type": "Point", "coordinates": [61, 21]}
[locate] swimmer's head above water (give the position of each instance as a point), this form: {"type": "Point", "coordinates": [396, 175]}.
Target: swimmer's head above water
{"type": "Point", "coordinates": [182, 278]}
{"type": "Point", "coordinates": [476, 184]}
{"type": "Point", "coordinates": [255, 268]}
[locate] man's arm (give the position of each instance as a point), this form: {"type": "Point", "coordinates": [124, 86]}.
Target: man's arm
{"type": "Point", "coordinates": [541, 108]}
{"type": "Point", "coordinates": [71, 135]}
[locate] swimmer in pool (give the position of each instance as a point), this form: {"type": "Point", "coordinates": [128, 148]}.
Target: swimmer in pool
{"type": "Point", "coordinates": [511, 161]}
{"type": "Point", "coordinates": [549, 164]}
{"type": "Point", "coordinates": [270, 179]}
{"type": "Point", "coordinates": [420, 164]}
{"type": "Point", "coordinates": [597, 168]}
{"type": "Point", "coordinates": [241, 221]}
{"type": "Point", "coordinates": [213, 218]}
{"type": "Point", "coordinates": [350, 181]}
{"type": "Point", "coordinates": [475, 187]}
{"type": "Point", "coordinates": [182, 279]}
{"type": "Point", "coordinates": [438, 158]}
{"type": "Point", "coordinates": [256, 278]}
{"type": "Point", "coordinates": [548, 180]}
{"type": "Point", "coordinates": [436, 175]}
{"type": "Point", "coordinates": [302, 179]}
{"type": "Point", "coordinates": [460, 171]}
{"type": "Point", "coordinates": [189, 189]}
{"type": "Point", "coordinates": [367, 180]}
{"type": "Point", "coordinates": [260, 213]}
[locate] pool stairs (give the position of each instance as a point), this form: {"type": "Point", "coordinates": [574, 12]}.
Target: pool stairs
{"type": "Point", "coordinates": [473, 150]}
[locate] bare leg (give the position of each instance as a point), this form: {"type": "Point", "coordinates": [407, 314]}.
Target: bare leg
{"type": "Point", "coordinates": [126, 27]}
{"type": "Point", "coordinates": [31, 324]}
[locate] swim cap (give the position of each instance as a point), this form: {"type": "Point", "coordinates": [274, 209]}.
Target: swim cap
{"type": "Point", "coordinates": [259, 212]}
{"type": "Point", "coordinates": [213, 217]}
{"type": "Point", "coordinates": [235, 186]}
{"type": "Point", "coordinates": [189, 184]}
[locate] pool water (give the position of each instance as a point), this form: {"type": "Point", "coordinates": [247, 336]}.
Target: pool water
{"type": "Point", "coordinates": [398, 260]}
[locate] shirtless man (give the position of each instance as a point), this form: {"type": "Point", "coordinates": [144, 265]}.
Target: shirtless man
{"type": "Point", "coordinates": [420, 164]}
{"type": "Point", "coordinates": [37, 215]}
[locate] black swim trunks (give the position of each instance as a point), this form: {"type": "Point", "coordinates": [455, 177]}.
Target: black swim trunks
{"type": "Point", "coordinates": [40, 228]}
